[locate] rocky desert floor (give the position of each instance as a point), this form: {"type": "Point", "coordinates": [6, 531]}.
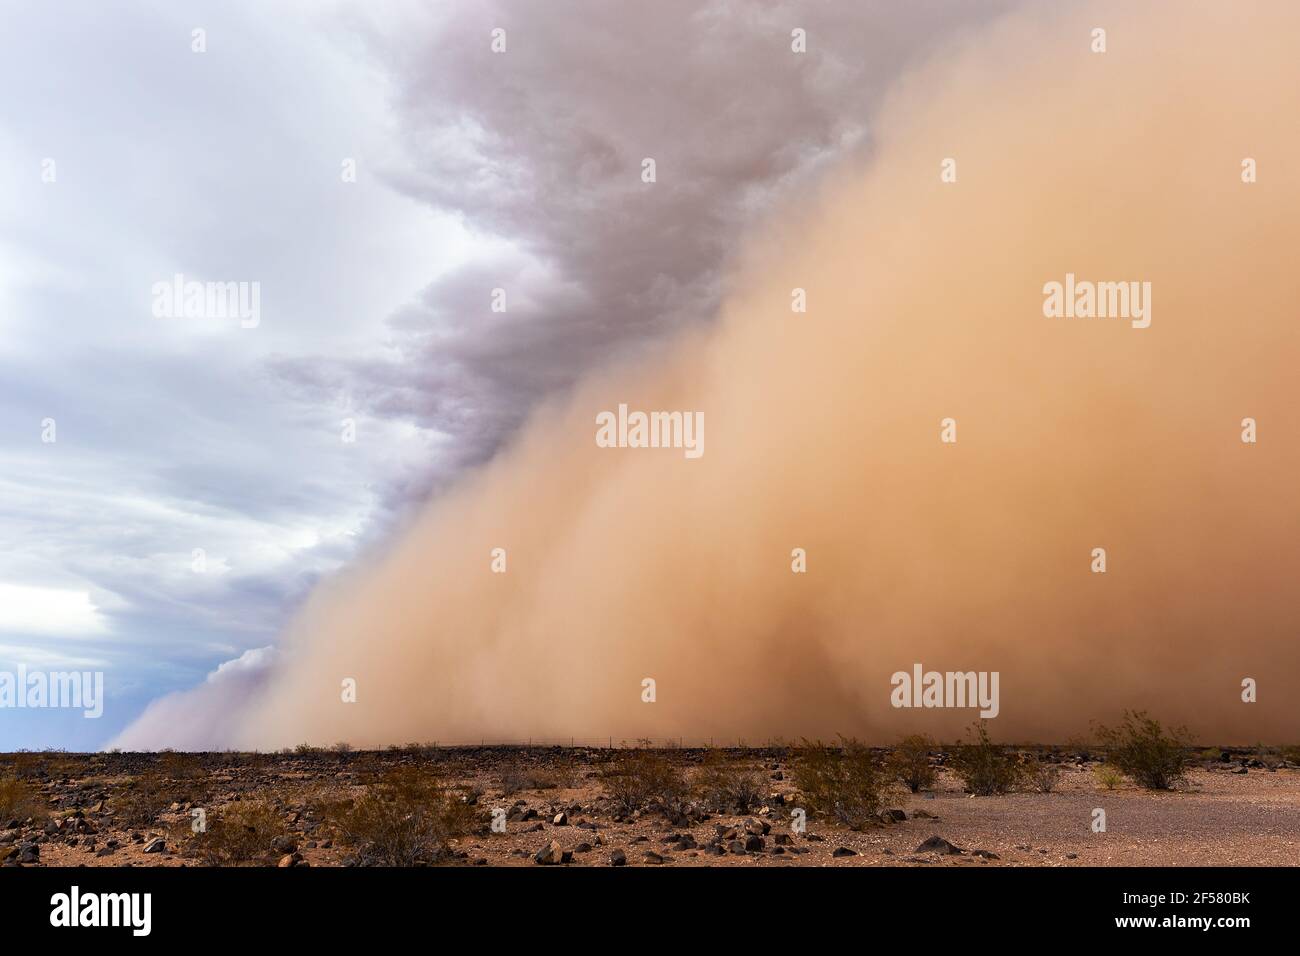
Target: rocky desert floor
{"type": "Point", "coordinates": [556, 807]}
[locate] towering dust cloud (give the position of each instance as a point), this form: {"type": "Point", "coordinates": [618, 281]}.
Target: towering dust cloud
{"type": "Point", "coordinates": [924, 302]}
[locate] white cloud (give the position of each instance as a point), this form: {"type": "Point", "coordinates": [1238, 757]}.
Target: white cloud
{"type": "Point", "coordinates": [50, 611]}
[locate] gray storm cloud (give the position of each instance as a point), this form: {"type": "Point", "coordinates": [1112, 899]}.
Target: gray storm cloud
{"type": "Point", "coordinates": [925, 302]}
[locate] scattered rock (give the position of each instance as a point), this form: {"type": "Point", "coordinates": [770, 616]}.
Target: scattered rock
{"type": "Point", "coordinates": [618, 858]}
{"type": "Point", "coordinates": [156, 845]}
{"type": "Point", "coordinates": [937, 844]}
{"type": "Point", "coordinates": [549, 855]}
{"type": "Point", "coordinates": [844, 851]}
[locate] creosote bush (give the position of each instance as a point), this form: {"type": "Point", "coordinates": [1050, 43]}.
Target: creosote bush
{"type": "Point", "coordinates": [1108, 776]}
{"type": "Point", "coordinates": [405, 818]}
{"type": "Point", "coordinates": [984, 767]}
{"type": "Point", "coordinates": [1043, 777]}
{"type": "Point", "coordinates": [19, 800]}
{"type": "Point", "coordinates": [522, 774]}
{"type": "Point", "coordinates": [640, 778]}
{"type": "Point", "coordinates": [845, 782]}
{"type": "Point", "coordinates": [909, 763]}
{"type": "Point", "coordinates": [238, 834]}
{"type": "Point", "coordinates": [726, 785]}
{"type": "Point", "coordinates": [1145, 752]}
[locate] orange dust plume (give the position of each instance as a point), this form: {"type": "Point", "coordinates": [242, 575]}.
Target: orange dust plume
{"type": "Point", "coordinates": [925, 302]}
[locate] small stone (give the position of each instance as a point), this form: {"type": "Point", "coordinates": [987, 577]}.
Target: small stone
{"type": "Point", "coordinates": [156, 845]}
{"type": "Point", "coordinates": [937, 844]}
{"type": "Point", "coordinates": [844, 851]}
{"type": "Point", "coordinates": [549, 855]}
{"type": "Point", "coordinates": [618, 858]}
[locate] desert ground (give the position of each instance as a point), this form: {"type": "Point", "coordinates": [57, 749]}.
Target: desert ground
{"type": "Point", "coordinates": [421, 804]}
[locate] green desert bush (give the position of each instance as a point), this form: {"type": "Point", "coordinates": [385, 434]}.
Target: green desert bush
{"type": "Point", "coordinates": [406, 818]}
{"type": "Point", "coordinates": [984, 767]}
{"type": "Point", "coordinates": [238, 834]}
{"type": "Point", "coordinates": [909, 763]}
{"type": "Point", "coordinates": [847, 782]}
{"type": "Point", "coordinates": [1141, 749]}
{"type": "Point", "coordinates": [1108, 776]}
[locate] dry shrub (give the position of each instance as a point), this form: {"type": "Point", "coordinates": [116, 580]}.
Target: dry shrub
{"type": "Point", "coordinates": [19, 800]}
{"type": "Point", "coordinates": [239, 834]}
{"type": "Point", "coordinates": [639, 779]}
{"type": "Point", "coordinates": [24, 765]}
{"type": "Point", "coordinates": [1044, 777]}
{"type": "Point", "coordinates": [1142, 750]}
{"type": "Point", "coordinates": [984, 767]}
{"type": "Point", "coordinates": [141, 799]}
{"type": "Point", "coordinates": [180, 766]}
{"type": "Point", "coordinates": [726, 785]}
{"type": "Point", "coordinates": [909, 763]}
{"type": "Point", "coordinates": [406, 818]}
{"type": "Point", "coordinates": [559, 773]}
{"type": "Point", "coordinates": [846, 782]}
{"type": "Point", "coordinates": [1269, 757]}
{"type": "Point", "coordinates": [517, 778]}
